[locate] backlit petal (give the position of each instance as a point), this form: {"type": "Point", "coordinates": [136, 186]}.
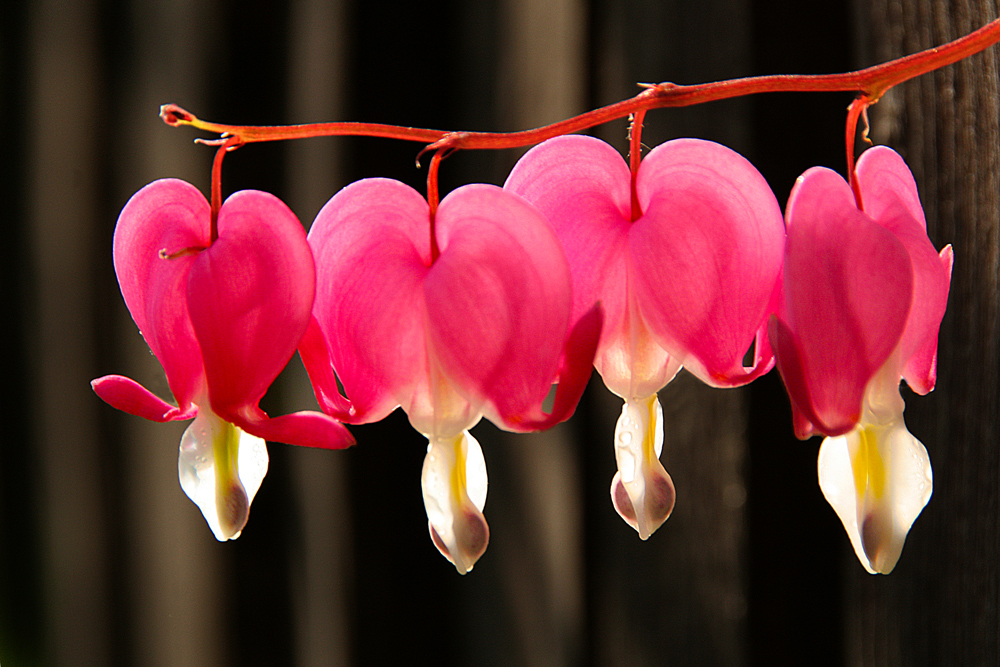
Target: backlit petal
{"type": "Point", "coordinates": [582, 186]}
{"type": "Point", "coordinates": [878, 479]}
{"type": "Point", "coordinates": [498, 299]}
{"type": "Point", "coordinates": [221, 469]}
{"type": "Point", "coordinates": [372, 247]}
{"type": "Point", "coordinates": [250, 296]}
{"type": "Point", "coordinates": [889, 195]}
{"type": "Point", "coordinates": [453, 482]}
{"type": "Point", "coordinates": [129, 396]}
{"type": "Point", "coordinates": [159, 234]}
{"type": "Point", "coordinates": [641, 491]}
{"type": "Point", "coordinates": [705, 256]}
{"type": "Point", "coordinates": [848, 285]}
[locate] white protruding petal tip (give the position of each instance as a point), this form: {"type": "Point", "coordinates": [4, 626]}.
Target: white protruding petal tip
{"type": "Point", "coordinates": [642, 492]}
{"type": "Point", "coordinates": [454, 485]}
{"type": "Point", "coordinates": [223, 496]}
{"type": "Point", "coordinates": [878, 479]}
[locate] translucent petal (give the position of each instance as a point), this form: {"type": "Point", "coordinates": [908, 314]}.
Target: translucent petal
{"type": "Point", "coordinates": [454, 484]}
{"type": "Point", "coordinates": [878, 479]}
{"type": "Point", "coordinates": [848, 285]}
{"type": "Point", "coordinates": [641, 490]}
{"type": "Point", "coordinates": [705, 255]}
{"type": "Point", "coordinates": [221, 468]}
{"type": "Point", "coordinates": [371, 242]}
{"type": "Point", "coordinates": [166, 219]}
{"type": "Point", "coordinates": [249, 297]}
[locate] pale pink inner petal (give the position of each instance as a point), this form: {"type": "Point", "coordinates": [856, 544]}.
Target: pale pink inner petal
{"type": "Point", "coordinates": [705, 255]}
{"type": "Point", "coordinates": [250, 296]}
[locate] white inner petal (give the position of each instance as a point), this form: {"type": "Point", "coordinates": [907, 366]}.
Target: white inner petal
{"type": "Point", "coordinates": [642, 491]}
{"type": "Point", "coordinates": [197, 465]}
{"type": "Point", "coordinates": [878, 479]}
{"type": "Point", "coordinates": [454, 484]}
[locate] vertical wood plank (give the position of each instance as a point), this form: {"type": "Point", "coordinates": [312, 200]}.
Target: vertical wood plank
{"type": "Point", "coordinates": [63, 197]}
{"type": "Point", "coordinates": [942, 603]}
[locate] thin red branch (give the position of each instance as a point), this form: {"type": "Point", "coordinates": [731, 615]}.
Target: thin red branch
{"type": "Point", "coordinates": [871, 82]}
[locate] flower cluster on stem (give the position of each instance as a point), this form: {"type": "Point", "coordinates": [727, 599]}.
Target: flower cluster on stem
{"type": "Point", "coordinates": [480, 303]}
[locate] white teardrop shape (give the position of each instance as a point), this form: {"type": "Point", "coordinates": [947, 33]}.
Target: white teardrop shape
{"type": "Point", "coordinates": [641, 491]}
{"type": "Point", "coordinates": [454, 484]}
{"type": "Point", "coordinates": [878, 479]}
{"type": "Point", "coordinates": [221, 467]}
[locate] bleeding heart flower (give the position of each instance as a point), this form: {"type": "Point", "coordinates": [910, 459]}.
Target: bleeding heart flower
{"type": "Point", "coordinates": [864, 294]}
{"type": "Point", "coordinates": [688, 282]}
{"type": "Point", "coordinates": [223, 318]}
{"type": "Point", "coordinates": [480, 329]}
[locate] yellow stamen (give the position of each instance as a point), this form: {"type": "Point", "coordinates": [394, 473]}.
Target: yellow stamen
{"type": "Point", "coordinates": [869, 469]}
{"type": "Point", "coordinates": [231, 500]}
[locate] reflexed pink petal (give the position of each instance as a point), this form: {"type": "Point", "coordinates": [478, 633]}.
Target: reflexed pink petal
{"type": "Point", "coordinates": [581, 185]}
{"type": "Point", "coordinates": [575, 370]}
{"type": "Point", "coordinates": [372, 247]}
{"type": "Point", "coordinates": [848, 285]}
{"type": "Point", "coordinates": [129, 396]}
{"type": "Point", "coordinates": [889, 195]}
{"type": "Point", "coordinates": [498, 298]}
{"type": "Point", "coordinates": [250, 296]}
{"type": "Point", "coordinates": [705, 255]}
{"type": "Point", "coordinates": [172, 217]}
{"type": "Point", "coordinates": [319, 366]}
{"type": "Point", "coordinates": [305, 429]}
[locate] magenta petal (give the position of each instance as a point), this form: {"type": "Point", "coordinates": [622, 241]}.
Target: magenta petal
{"type": "Point", "coordinates": [705, 254]}
{"type": "Point", "coordinates": [581, 185]}
{"type": "Point", "coordinates": [889, 195]}
{"type": "Point", "coordinates": [372, 247]}
{"type": "Point", "coordinates": [848, 285]}
{"type": "Point", "coordinates": [129, 396]}
{"type": "Point", "coordinates": [305, 429]}
{"type": "Point", "coordinates": [574, 374]}
{"type": "Point", "coordinates": [169, 217]}
{"type": "Point", "coordinates": [790, 365]}
{"type": "Point", "coordinates": [498, 298]}
{"type": "Point", "coordinates": [316, 359]}
{"type": "Point", "coordinates": [249, 296]}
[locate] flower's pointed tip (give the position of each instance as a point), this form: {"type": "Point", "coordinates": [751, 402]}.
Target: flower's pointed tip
{"type": "Point", "coordinates": [472, 536]}
{"type": "Point", "coordinates": [658, 503]}
{"type": "Point", "coordinates": [233, 509]}
{"type": "Point", "coordinates": [642, 492]}
{"type": "Point", "coordinates": [878, 479]}
{"type": "Point", "coordinates": [878, 543]}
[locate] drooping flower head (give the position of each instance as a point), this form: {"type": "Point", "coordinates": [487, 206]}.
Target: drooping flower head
{"type": "Point", "coordinates": [223, 318]}
{"type": "Point", "coordinates": [864, 292]}
{"type": "Point", "coordinates": [688, 282]}
{"type": "Point", "coordinates": [480, 329]}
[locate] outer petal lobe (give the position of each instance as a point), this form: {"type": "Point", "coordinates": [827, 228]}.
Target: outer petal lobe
{"type": "Point", "coordinates": [848, 286]}
{"type": "Point", "coordinates": [158, 235]}
{"type": "Point", "coordinates": [498, 299]}
{"type": "Point", "coordinates": [705, 256]}
{"type": "Point", "coordinates": [372, 247]}
{"type": "Point", "coordinates": [889, 195]}
{"type": "Point", "coordinates": [250, 296]}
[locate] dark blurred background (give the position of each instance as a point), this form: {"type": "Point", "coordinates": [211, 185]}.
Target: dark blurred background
{"type": "Point", "coordinates": [104, 561]}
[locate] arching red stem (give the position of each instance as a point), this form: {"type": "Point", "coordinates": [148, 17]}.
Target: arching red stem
{"type": "Point", "coordinates": [635, 157]}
